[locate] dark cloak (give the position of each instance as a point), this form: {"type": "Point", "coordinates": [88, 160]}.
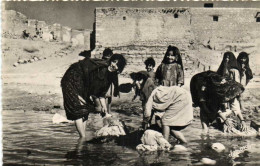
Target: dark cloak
{"type": "Point", "coordinates": [215, 92]}
{"type": "Point", "coordinates": [88, 77]}
{"type": "Point", "coordinates": [248, 71]}
{"type": "Point", "coordinates": [231, 64]}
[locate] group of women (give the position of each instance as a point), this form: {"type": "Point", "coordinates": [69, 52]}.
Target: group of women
{"type": "Point", "coordinates": [86, 83]}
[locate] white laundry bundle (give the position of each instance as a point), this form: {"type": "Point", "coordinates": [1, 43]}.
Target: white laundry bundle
{"type": "Point", "coordinates": [112, 127]}
{"type": "Point", "coordinates": [218, 147]}
{"type": "Point", "coordinates": [153, 141]}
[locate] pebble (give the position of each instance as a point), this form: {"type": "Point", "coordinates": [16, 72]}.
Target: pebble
{"type": "Point", "coordinates": [218, 147]}
{"type": "Point", "coordinates": [180, 148]}
{"type": "Point", "coordinates": [15, 64]}
{"type": "Point", "coordinates": [35, 59]}
{"type": "Point", "coordinates": [208, 161]}
{"type": "Point", "coordinates": [20, 61]}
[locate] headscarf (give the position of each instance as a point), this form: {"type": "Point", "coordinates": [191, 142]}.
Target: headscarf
{"type": "Point", "coordinates": [231, 64]}
{"type": "Point", "coordinates": [248, 71]}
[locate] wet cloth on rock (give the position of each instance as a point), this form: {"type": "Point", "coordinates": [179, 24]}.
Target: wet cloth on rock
{"type": "Point", "coordinates": [153, 141]}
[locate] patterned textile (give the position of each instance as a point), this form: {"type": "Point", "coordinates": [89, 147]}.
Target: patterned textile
{"type": "Point", "coordinates": [170, 74]}
{"type": "Point", "coordinates": [88, 77]}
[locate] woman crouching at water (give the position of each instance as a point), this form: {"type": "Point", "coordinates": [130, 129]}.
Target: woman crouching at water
{"type": "Point", "coordinates": [172, 107]}
{"type": "Point", "coordinates": [84, 86]}
{"type": "Point", "coordinates": [216, 96]}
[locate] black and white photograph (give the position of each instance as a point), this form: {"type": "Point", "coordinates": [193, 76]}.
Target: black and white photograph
{"type": "Point", "coordinates": [131, 83]}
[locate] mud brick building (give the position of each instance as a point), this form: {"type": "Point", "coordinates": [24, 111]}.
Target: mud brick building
{"type": "Point", "coordinates": [143, 32]}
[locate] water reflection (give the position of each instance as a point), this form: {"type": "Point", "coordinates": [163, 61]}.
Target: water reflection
{"type": "Point", "coordinates": [30, 138]}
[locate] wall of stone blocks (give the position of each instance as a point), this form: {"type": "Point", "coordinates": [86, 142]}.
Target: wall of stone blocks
{"type": "Point", "coordinates": [233, 25]}
{"type": "Point", "coordinates": [141, 32]}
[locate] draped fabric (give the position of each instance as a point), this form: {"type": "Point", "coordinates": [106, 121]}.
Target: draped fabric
{"type": "Point", "coordinates": [209, 90]}
{"type": "Point", "coordinates": [170, 74]}
{"type": "Point", "coordinates": [225, 66]}
{"type": "Point", "coordinates": [245, 68]}
{"type": "Point", "coordinates": [175, 102]}
{"type": "Point", "coordinates": [88, 77]}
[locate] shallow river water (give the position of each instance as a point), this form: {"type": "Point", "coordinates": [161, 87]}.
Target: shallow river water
{"type": "Point", "coordinates": [30, 138]}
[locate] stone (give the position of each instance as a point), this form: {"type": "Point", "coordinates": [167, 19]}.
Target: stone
{"type": "Point", "coordinates": [20, 61]}
{"type": "Point", "coordinates": [15, 64]}
{"type": "Point", "coordinates": [208, 161]}
{"type": "Point", "coordinates": [256, 125]}
{"type": "Point", "coordinates": [179, 148]}
{"type": "Point", "coordinates": [218, 147]}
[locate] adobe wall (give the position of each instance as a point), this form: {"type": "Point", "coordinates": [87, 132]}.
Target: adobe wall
{"type": "Point", "coordinates": [139, 33]}
{"type": "Point", "coordinates": [142, 28]}
{"type": "Point", "coordinates": [117, 27]}
{"type": "Point", "coordinates": [233, 25]}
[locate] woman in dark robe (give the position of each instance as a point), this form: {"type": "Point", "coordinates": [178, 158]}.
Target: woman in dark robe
{"type": "Point", "coordinates": [229, 67]}
{"type": "Point", "coordinates": [211, 92]}
{"type": "Point", "coordinates": [246, 72]}
{"type": "Point", "coordinates": [84, 86]}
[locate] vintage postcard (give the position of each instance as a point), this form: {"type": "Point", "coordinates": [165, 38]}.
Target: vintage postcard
{"type": "Point", "coordinates": [130, 82]}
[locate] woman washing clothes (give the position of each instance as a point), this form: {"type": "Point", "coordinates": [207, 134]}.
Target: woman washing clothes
{"type": "Point", "coordinates": [212, 93]}
{"type": "Point", "coordinates": [172, 106]}
{"type": "Point", "coordinates": [84, 86]}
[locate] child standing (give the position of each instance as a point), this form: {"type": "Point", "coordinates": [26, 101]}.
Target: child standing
{"type": "Point", "coordinates": [170, 72]}
{"type": "Point", "coordinates": [149, 66]}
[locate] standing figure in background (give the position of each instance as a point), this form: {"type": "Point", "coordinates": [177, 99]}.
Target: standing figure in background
{"type": "Point", "coordinates": [246, 73]}
{"type": "Point", "coordinates": [113, 88]}
{"type": "Point", "coordinates": [229, 67]}
{"type": "Point", "coordinates": [170, 72]}
{"type": "Point", "coordinates": [149, 66]}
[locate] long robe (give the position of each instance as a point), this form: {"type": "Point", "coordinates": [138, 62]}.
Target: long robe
{"type": "Point", "coordinates": [214, 93]}
{"type": "Point", "coordinates": [88, 77]}
{"type": "Point", "coordinates": [170, 74]}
